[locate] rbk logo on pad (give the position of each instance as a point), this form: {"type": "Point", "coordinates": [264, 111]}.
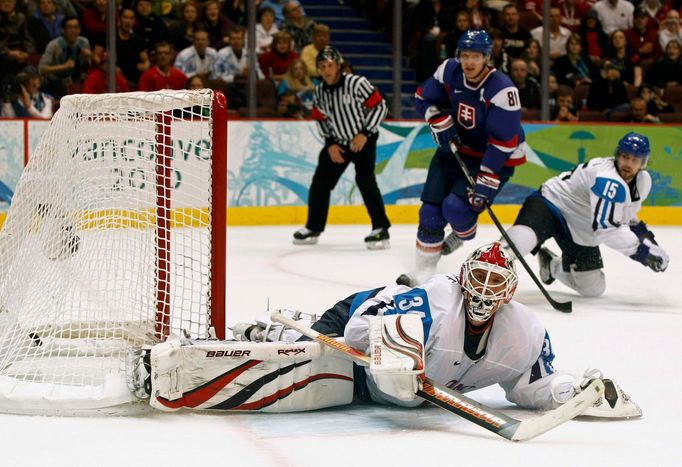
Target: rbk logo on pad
{"type": "Point", "coordinates": [290, 351]}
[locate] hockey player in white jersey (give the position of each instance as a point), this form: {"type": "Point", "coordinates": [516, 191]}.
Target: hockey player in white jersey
{"type": "Point", "coordinates": [461, 330]}
{"type": "Point", "coordinates": [595, 203]}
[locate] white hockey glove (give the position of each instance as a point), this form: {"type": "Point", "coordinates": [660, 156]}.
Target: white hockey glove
{"type": "Point", "coordinates": [249, 332]}
{"type": "Point", "coordinates": [396, 345]}
{"type": "Point", "coordinates": [651, 255]}
{"type": "Point", "coordinates": [264, 330]}
{"type": "Point", "coordinates": [613, 404]}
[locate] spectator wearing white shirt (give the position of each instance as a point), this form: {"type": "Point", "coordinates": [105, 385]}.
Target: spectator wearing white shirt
{"type": "Point", "coordinates": [265, 29]}
{"type": "Point", "coordinates": [197, 59]}
{"type": "Point", "coordinates": [670, 29]}
{"type": "Point", "coordinates": [232, 67]}
{"type": "Point", "coordinates": [558, 35]}
{"type": "Point", "coordinates": [614, 14]}
{"type": "Point", "coordinates": [232, 63]}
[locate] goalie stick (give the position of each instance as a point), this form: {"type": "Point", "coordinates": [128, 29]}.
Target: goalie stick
{"type": "Point", "coordinates": [565, 307]}
{"type": "Point", "coordinates": [455, 402]}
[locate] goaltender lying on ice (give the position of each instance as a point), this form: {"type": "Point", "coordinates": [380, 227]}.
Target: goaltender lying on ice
{"type": "Point", "coordinates": [462, 331]}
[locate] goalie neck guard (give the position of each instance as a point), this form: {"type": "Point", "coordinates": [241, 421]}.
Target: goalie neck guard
{"type": "Point", "coordinates": [488, 279]}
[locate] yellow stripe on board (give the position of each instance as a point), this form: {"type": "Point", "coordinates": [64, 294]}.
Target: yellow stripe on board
{"type": "Point", "coordinates": [144, 219]}
{"type": "Point", "coordinates": [296, 215]}
{"type": "Point", "coordinates": [406, 214]}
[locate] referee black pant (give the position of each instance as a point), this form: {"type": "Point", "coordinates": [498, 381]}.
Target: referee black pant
{"type": "Point", "coordinates": [327, 175]}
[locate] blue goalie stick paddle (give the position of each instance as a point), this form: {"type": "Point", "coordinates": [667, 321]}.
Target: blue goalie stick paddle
{"type": "Point", "coordinates": [457, 403]}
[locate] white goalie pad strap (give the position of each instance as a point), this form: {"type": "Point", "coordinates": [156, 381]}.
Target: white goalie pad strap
{"type": "Point", "coordinates": [263, 376]}
{"type": "Point", "coordinates": [396, 344]}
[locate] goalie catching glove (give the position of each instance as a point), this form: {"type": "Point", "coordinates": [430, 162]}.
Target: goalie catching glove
{"type": "Point", "coordinates": [264, 330]}
{"type": "Point", "coordinates": [396, 344]}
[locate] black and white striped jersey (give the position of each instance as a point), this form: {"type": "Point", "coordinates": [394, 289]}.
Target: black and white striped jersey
{"type": "Point", "coordinates": [349, 107]}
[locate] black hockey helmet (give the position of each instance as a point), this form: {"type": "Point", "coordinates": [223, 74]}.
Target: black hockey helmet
{"type": "Point", "coordinates": [328, 53]}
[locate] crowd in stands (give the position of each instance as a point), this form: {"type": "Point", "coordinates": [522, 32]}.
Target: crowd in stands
{"type": "Point", "coordinates": [51, 48]}
{"type": "Point", "coordinates": [609, 58]}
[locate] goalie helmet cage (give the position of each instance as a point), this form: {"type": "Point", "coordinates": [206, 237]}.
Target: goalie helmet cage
{"type": "Point", "coordinates": [115, 238]}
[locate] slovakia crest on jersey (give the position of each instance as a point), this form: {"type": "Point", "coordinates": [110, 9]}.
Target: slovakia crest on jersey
{"type": "Point", "coordinates": [466, 115]}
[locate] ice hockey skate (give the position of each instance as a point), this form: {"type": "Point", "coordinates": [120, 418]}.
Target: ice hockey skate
{"type": "Point", "coordinates": [426, 260]}
{"type": "Point", "coordinates": [614, 403]}
{"type": "Point", "coordinates": [450, 244]}
{"type": "Point", "coordinates": [305, 236]}
{"type": "Point", "coordinates": [545, 258]}
{"type": "Point", "coordinates": [378, 239]}
{"type": "Point", "coordinates": [406, 279]}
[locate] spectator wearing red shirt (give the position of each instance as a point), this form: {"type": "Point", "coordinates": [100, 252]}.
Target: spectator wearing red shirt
{"type": "Point", "coordinates": [277, 60]}
{"type": "Point", "coordinates": [163, 75]}
{"type": "Point", "coordinates": [595, 40]}
{"type": "Point", "coordinates": [656, 11]}
{"type": "Point", "coordinates": [96, 80]}
{"type": "Point", "coordinates": [95, 23]}
{"type": "Point", "coordinates": [572, 12]}
{"type": "Point", "coordinates": [643, 40]}
{"type": "Point", "coordinates": [532, 6]}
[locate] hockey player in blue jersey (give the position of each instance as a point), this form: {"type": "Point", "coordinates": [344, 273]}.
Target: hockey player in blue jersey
{"type": "Point", "coordinates": [595, 203]}
{"type": "Point", "coordinates": [483, 124]}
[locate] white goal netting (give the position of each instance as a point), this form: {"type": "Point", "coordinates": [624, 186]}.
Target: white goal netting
{"type": "Point", "coordinates": [109, 245]}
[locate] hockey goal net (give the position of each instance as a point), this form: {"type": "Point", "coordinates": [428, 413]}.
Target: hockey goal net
{"type": "Point", "coordinates": [115, 239]}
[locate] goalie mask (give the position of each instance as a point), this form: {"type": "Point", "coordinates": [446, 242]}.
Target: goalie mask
{"type": "Point", "coordinates": [488, 279]}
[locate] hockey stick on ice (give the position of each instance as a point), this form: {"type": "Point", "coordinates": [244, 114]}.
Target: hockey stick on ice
{"type": "Point", "coordinates": [455, 402]}
{"type": "Point", "coordinates": [565, 307]}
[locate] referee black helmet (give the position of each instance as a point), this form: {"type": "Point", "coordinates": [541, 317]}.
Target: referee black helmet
{"type": "Point", "coordinates": [328, 53]}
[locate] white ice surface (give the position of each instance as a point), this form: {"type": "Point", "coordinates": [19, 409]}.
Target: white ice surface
{"type": "Point", "coordinates": [633, 333]}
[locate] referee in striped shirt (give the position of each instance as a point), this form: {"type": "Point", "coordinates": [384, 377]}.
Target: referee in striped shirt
{"type": "Point", "coordinates": [348, 111]}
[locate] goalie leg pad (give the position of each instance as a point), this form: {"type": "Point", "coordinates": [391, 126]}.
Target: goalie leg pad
{"type": "Point", "coordinates": [396, 344]}
{"type": "Point", "coordinates": [267, 376]}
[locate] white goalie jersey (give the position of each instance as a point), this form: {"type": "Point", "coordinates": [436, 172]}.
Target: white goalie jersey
{"type": "Point", "coordinates": [598, 205]}
{"type": "Point", "coordinates": [518, 353]}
